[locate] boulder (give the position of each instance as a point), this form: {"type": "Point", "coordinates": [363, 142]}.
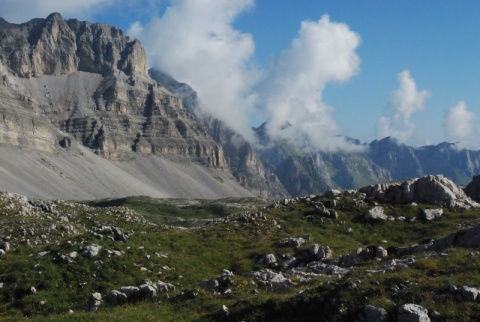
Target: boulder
{"type": "Point", "coordinates": [148, 291]}
{"type": "Point", "coordinates": [5, 246]}
{"type": "Point", "coordinates": [269, 279]}
{"type": "Point", "coordinates": [267, 259]}
{"type": "Point", "coordinates": [320, 252]}
{"type": "Point", "coordinates": [164, 287]}
{"type": "Point", "coordinates": [428, 215]}
{"type": "Point", "coordinates": [362, 255]}
{"type": "Point", "coordinates": [291, 242]}
{"type": "Point", "coordinates": [91, 250]}
{"type": "Point", "coordinates": [116, 297]}
{"type": "Point", "coordinates": [375, 314]}
{"type": "Point", "coordinates": [94, 301]}
{"type": "Point", "coordinates": [375, 214]}
{"type": "Point", "coordinates": [220, 283]}
{"type": "Point", "coordinates": [132, 292]}
{"type": "Point", "coordinates": [473, 189]}
{"type": "Point", "coordinates": [469, 293]}
{"type": "Point", "coordinates": [412, 313]}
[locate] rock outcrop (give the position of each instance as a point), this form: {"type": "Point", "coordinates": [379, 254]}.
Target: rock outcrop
{"type": "Point", "coordinates": [435, 190]}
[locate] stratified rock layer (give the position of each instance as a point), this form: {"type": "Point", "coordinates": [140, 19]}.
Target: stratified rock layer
{"type": "Point", "coordinates": [68, 82]}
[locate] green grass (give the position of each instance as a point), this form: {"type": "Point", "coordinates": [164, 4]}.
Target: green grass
{"type": "Point", "coordinates": [201, 253]}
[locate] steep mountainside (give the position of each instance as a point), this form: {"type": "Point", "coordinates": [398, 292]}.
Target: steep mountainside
{"type": "Point", "coordinates": [240, 156]}
{"type": "Point", "coordinates": [69, 83]}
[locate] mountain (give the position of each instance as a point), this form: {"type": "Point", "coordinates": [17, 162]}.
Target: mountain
{"type": "Point", "coordinates": [305, 172]}
{"type": "Point", "coordinates": [76, 90]}
{"type": "Point", "coordinates": [242, 159]}
{"type": "Point", "coordinates": [84, 118]}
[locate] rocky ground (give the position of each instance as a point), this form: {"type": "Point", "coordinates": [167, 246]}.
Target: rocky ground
{"type": "Point", "coordinates": [337, 256]}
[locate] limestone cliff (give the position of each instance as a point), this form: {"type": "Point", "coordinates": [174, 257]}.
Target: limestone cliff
{"type": "Point", "coordinates": [241, 158]}
{"type": "Point", "coordinates": [68, 82]}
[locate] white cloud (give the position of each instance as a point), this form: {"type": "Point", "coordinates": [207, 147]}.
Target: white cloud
{"type": "Point", "coordinates": [19, 11]}
{"type": "Point", "coordinates": [460, 125]}
{"type": "Point", "coordinates": [135, 30]}
{"type": "Point", "coordinates": [404, 102]}
{"type": "Point", "coordinates": [291, 92]}
{"type": "Point", "coordinates": [194, 41]}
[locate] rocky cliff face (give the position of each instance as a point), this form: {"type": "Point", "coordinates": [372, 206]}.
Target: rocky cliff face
{"type": "Point", "coordinates": [67, 82]}
{"type": "Point", "coordinates": [241, 158]}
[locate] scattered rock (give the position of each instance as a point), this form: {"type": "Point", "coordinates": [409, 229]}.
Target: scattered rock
{"type": "Point", "coordinates": [148, 291]}
{"type": "Point", "coordinates": [375, 314]}
{"type": "Point", "coordinates": [267, 259]}
{"type": "Point", "coordinates": [219, 284]}
{"type": "Point", "coordinates": [269, 279]}
{"type": "Point", "coordinates": [362, 255]}
{"type": "Point", "coordinates": [164, 287]}
{"type": "Point", "coordinates": [91, 250]}
{"type": "Point", "coordinates": [412, 313]}
{"type": "Point", "coordinates": [291, 242]}
{"type": "Point", "coordinates": [428, 215]}
{"type": "Point", "coordinates": [132, 292]}
{"type": "Point", "coordinates": [94, 301]}
{"type": "Point", "coordinates": [375, 214]}
{"type": "Point", "coordinates": [116, 297]}
{"type": "Point", "coordinates": [320, 252]}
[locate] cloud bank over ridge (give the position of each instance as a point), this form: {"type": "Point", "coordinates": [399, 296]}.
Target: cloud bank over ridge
{"type": "Point", "coordinates": [291, 91]}
{"type": "Point", "coordinates": [196, 43]}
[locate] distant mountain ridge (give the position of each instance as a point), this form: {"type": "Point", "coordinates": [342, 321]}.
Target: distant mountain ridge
{"type": "Point", "coordinates": [382, 160]}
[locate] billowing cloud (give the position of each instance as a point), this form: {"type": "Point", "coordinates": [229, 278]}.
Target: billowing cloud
{"type": "Point", "coordinates": [18, 11]}
{"type": "Point", "coordinates": [291, 91]}
{"type": "Point", "coordinates": [460, 125]}
{"type": "Point", "coordinates": [194, 42]}
{"type": "Point", "coordinates": [404, 101]}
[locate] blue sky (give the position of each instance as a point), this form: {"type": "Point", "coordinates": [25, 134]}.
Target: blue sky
{"type": "Point", "coordinates": [417, 76]}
